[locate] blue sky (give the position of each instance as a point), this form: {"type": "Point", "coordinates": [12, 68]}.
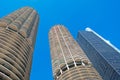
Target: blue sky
{"type": "Point", "coordinates": [103, 16]}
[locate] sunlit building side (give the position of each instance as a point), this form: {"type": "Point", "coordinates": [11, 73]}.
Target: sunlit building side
{"type": "Point", "coordinates": [69, 62]}
{"type": "Point", "coordinates": [17, 38]}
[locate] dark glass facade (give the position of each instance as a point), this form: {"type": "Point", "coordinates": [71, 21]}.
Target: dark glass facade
{"type": "Point", "coordinates": [104, 58]}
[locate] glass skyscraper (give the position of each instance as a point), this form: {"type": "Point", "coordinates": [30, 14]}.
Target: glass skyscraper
{"type": "Point", "coordinates": [103, 55]}
{"type": "Point", "coordinates": [17, 38]}
{"type": "Point", "coordinates": [69, 62]}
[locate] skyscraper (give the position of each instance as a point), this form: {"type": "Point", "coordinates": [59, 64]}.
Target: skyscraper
{"type": "Point", "coordinates": [68, 60]}
{"type": "Point", "coordinates": [17, 38]}
{"type": "Point", "coordinates": [103, 55]}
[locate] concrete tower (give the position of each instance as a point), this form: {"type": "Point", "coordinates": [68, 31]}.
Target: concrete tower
{"type": "Point", "coordinates": [69, 62]}
{"type": "Point", "coordinates": [17, 38]}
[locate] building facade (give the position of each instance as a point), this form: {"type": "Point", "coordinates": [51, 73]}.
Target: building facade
{"type": "Point", "coordinates": [103, 55]}
{"type": "Point", "coordinates": [17, 38]}
{"type": "Point", "coordinates": [69, 62]}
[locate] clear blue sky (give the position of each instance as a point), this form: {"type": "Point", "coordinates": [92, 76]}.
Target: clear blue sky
{"type": "Point", "coordinates": [103, 16]}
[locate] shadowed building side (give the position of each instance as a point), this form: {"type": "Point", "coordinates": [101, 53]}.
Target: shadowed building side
{"type": "Point", "coordinates": [69, 62]}
{"type": "Point", "coordinates": [103, 55]}
{"type": "Point", "coordinates": [17, 39]}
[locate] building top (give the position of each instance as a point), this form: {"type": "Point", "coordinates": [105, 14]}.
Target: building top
{"type": "Point", "coordinates": [24, 21]}
{"type": "Point", "coordinates": [107, 41]}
